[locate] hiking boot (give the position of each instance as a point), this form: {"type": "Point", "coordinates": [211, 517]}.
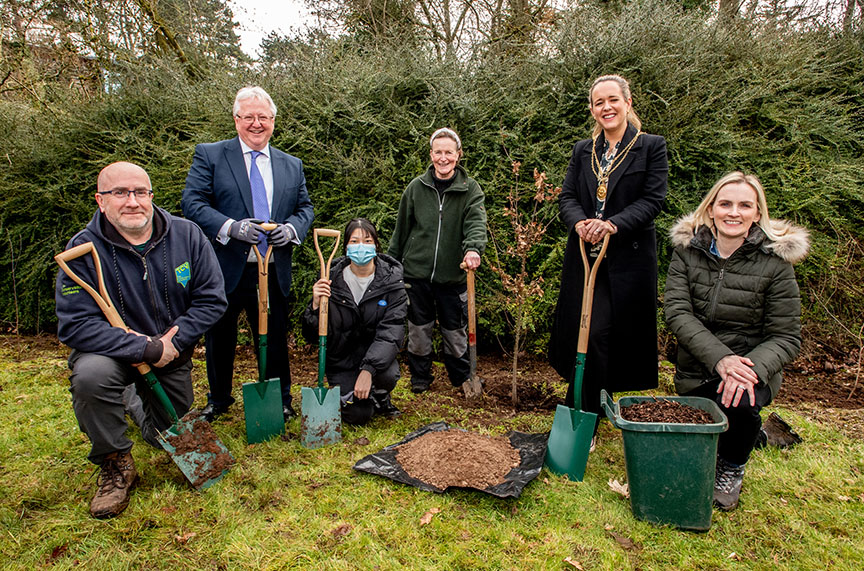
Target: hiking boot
{"type": "Point", "coordinates": [384, 407]}
{"type": "Point", "coordinates": [727, 484]}
{"type": "Point", "coordinates": [116, 478]}
{"type": "Point", "coordinates": [420, 385]}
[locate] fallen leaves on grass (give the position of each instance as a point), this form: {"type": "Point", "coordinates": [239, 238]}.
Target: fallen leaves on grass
{"type": "Point", "coordinates": [427, 517]}
{"type": "Point", "coordinates": [362, 441]}
{"type": "Point", "coordinates": [183, 539]}
{"type": "Point", "coordinates": [57, 552]}
{"type": "Point", "coordinates": [619, 488]}
{"type": "Point", "coordinates": [573, 563]}
{"type": "Point", "coordinates": [625, 542]}
{"type": "Point", "coordinates": [341, 531]}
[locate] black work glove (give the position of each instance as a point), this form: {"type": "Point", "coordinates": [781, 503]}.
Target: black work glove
{"type": "Point", "coordinates": [245, 230]}
{"type": "Point", "coordinates": [280, 236]}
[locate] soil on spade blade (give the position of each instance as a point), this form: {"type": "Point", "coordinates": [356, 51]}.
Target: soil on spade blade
{"type": "Point", "coordinates": [457, 458]}
{"type": "Point", "coordinates": [203, 440]}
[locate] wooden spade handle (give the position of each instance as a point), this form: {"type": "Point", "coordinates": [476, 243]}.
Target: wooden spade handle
{"type": "Point", "coordinates": [263, 291]}
{"type": "Point", "coordinates": [323, 306]}
{"type": "Point", "coordinates": [472, 307]}
{"type": "Point", "coordinates": [588, 293]}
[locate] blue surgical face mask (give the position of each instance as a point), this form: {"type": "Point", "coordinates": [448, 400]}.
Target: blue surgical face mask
{"type": "Point", "coordinates": [361, 254]}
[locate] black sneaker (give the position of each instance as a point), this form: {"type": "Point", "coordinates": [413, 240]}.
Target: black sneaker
{"type": "Point", "coordinates": [211, 412]}
{"type": "Point", "coordinates": [728, 479]}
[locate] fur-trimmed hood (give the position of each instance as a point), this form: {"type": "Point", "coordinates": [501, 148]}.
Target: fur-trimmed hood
{"type": "Point", "coordinates": [792, 242]}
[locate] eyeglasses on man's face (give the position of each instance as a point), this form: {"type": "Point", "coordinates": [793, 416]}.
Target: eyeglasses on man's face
{"type": "Point", "coordinates": [249, 119]}
{"type": "Point", "coordinates": [123, 194]}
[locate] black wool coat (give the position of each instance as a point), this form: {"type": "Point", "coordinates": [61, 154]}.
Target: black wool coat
{"type": "Point", "coordinates": [636, 191]}
{"type": "Point", "coordinates": [367, 335]}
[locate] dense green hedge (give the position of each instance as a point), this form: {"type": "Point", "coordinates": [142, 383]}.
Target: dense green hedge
{"type": "Point", "coordinates": [785, 104]}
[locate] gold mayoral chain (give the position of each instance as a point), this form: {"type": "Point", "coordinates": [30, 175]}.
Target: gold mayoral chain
{"type": "Point", "coordinates": [603, 176]}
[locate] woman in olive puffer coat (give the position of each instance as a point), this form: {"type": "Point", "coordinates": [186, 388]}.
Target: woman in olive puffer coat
{"type": "Point", "coordinates": [733, 303]}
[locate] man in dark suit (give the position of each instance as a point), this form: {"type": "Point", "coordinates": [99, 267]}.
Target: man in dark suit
{"type": "Point", "coordinates": [232, 187]}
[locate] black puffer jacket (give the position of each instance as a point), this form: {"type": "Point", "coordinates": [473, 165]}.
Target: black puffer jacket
{"type": "Point", "coordinates": [746, 305]}
{"type": "Point", "coordinates": [369, 335]}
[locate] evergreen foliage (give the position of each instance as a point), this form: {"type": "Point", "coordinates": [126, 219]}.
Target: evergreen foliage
{"type": "Point", "coordinates": [785, 102]}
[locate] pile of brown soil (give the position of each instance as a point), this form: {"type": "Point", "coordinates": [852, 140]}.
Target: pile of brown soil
{"type": "Point", "coordinates": [665, 411]}
{"type": "Point", "coordinates": [213, 459]}
{"type": "Point", "coordinates": [457, 458]}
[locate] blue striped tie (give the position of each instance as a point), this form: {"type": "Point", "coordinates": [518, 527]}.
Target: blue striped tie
{"type": "Point", "coordinates": [259, 198]}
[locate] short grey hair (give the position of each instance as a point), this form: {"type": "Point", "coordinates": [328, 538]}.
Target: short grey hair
{"type": "Point", "coordinates": [253, 92]}
{"type": "Point", "coordinates": [449, 133]}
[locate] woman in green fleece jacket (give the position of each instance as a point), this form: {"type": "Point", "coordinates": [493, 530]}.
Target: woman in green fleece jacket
{"type": "Point", "coordinates": [441, 224]}
{"type": "Point", "coordinates": [733, 303]}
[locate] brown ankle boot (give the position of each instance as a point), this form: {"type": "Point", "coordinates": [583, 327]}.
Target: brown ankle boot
{"type": "Point", "coordinates": [116, 479]}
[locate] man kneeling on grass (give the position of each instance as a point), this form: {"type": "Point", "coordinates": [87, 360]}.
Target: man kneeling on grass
{"type": "Point", "coordinates": [162, 276]}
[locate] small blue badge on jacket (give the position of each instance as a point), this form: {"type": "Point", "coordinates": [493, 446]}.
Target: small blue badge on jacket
{"type": "Point", "coordinates": [183, 273]}
{"type": "Point", "coordinates": [382, 302]}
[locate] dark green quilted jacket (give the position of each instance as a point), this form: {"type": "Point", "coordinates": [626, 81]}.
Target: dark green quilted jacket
{"type": "Point", "coordinates": [747, 304]}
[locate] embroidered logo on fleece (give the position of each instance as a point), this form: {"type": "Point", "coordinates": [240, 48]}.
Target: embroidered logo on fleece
{"type": "Point", "coordinates": [183, 273]}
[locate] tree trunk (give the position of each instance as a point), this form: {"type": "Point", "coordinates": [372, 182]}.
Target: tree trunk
{"type": "Point", "coordinates": [165, 37]}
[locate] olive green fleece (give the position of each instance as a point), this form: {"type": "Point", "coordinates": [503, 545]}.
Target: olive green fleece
{"type": "Point", "coordinates": [430, 252]}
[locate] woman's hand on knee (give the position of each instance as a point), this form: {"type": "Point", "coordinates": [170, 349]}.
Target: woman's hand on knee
{"type": "Point", "coordinates": [736, 378]}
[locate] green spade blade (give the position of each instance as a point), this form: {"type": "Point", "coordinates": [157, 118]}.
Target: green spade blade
{"type": "Point", "coordinates": [570, 441]}
{"type": "Point", "coordinates": [320, 417]}
{"type": "Point", "coordinates": [262, 404]}
{"type": "Point", "coordinates": [197, 451]}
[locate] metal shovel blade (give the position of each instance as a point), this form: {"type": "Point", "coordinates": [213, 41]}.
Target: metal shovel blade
{"type": "Point", "coordinates": [197, 451]}
{"type": "Point", "coordinates": [262, 404]}
{"type": "Point", "coordinates": [320, 417]}
{"type": "Point", "coordinates": [570, 441]}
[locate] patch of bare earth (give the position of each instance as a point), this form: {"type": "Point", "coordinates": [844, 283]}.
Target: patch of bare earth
{"type": "Point", "coordinates": [823, 388]}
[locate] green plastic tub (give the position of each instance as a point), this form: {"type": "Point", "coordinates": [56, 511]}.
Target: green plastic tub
{"type": "Point", "coordinates": [670, 467]}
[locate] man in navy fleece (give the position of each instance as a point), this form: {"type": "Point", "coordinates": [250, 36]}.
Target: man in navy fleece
{"type": "Point", "coordinates": [161, 274]}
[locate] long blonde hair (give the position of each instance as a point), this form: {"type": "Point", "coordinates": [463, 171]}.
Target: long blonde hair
{"type": "Point", "coordinates": [632, 118]}
{"type": "Point", "coordinates": [736, 177]}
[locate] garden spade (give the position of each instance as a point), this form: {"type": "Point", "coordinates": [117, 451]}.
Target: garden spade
{"type": "Point", "coordinates": [262, 400]}
{"type": "Point", "coordinates": [572, 429]}
{"type": "Point", "coordinates": [472, 387]}
{"type": "Point", "coordinates": [321, 418]}
{"type": "Point", "coordinates": [191, 444]}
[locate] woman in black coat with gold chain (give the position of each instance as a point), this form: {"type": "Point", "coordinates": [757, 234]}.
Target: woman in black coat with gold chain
{"type": "Point", "coordinates": [615, 184]}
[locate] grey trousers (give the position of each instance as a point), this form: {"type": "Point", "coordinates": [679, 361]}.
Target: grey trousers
{"type": "Point", "coordinates": [99, 384]}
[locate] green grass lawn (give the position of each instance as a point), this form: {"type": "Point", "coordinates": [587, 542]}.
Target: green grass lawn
{"type": "Point", "coordinates": [283, 506]}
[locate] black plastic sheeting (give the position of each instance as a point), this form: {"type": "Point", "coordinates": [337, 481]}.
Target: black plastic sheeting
{"type": "Point", "coordinates": [531, 447]}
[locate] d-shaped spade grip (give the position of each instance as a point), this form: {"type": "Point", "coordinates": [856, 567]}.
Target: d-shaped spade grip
{"type": "Point", "coordinates": [325, 274]}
